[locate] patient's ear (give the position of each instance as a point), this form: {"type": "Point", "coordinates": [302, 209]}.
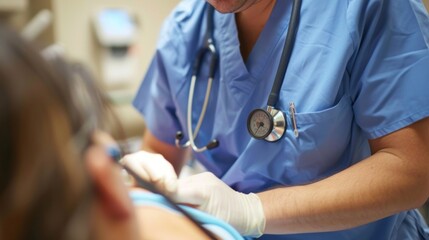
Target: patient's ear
{"type": "Point", "coordinates": [110, 191]}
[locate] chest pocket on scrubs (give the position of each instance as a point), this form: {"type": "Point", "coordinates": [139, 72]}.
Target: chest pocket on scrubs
{"type": "Point", "coordinates": [321, 146]}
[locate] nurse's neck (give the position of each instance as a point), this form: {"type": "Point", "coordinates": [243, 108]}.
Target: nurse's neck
{"type": "Point", "coordinates": [250, 23]}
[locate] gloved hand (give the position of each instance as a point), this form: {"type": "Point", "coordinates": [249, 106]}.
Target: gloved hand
{"type": "Point", "coordinates": [210, 194]}
{"type": "Point", "coordinates": [153, 168]}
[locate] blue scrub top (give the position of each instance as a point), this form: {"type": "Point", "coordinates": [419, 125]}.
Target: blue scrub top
{"type": "Point", "coordinates": [359, 70]}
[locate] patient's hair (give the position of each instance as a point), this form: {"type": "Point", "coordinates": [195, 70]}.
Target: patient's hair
{"type": "Point", "coordinates": [47, 109]}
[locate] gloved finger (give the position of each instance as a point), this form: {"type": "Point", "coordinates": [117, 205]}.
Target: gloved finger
{"type": "Point", "coordinates": [153, 168]}
{"type": "Point", "coordinates": [194, 190]}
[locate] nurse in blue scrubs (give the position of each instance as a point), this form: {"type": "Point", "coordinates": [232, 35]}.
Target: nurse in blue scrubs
{"type": "Point", "coordinates": [353, 162]}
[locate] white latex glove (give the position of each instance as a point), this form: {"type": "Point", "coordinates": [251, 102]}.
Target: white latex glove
{"type": "Point", "coordinates": [210, 194]}
{"type": "Point", "coordinates": [153, 168]}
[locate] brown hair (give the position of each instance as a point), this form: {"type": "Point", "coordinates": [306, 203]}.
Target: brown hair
{"type": "Point", "coordinates": [45, 191]}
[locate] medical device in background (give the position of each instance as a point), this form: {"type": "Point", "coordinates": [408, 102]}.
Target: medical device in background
{"type": "Point", "coordinates": [269, 124]}
{"type": "Point", "coordinates": [38, 24]}
{"type": "Point", "coordinates": [116, 32]}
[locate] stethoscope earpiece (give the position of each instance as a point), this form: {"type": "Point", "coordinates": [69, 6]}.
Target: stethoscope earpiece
{"type": "Point", "coordinates": [213, 144]}
{"type": "Point", "coordinates": [179, 135]}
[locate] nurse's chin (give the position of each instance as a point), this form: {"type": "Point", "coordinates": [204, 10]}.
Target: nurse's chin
{"type": "Point", "coordinates": [231, 6]}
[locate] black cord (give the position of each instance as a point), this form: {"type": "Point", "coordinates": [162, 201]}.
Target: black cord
{"type": "Point", "coordinates": [210, 14]}
{"type": "Point", "coordinates": [208, 47]}
{"type": "Point", "coordinates": [149, 186]}
{"type": "Point", "coordinates": [286, 54]}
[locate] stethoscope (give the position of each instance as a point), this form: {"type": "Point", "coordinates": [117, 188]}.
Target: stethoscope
{"type": "Point", "coordinates": [268, 124]}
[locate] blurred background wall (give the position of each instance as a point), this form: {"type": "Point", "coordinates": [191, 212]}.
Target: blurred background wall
{"type": "Point", "coordinates": [72, 30]}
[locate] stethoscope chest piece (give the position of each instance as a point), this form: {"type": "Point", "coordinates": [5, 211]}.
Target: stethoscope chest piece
{"type": "Point", "coordinates": [267, 124]}
{"type": "Point", "coordinates": [270, 124]}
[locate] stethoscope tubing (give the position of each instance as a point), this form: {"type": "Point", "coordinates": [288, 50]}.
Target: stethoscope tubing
{"type": "Point", "coordinates": [191, 132]}
{"type": "Point", "coordinates": [211, 50]}
{"type": "Point", "coordinates": [286, 53]}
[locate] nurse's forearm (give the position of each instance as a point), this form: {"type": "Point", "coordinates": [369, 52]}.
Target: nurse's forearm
{"type": "Point", "coordinates": [372, 189]}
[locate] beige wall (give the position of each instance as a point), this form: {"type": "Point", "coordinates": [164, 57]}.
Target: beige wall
{"type": "Point", "coordinates": [73, 30]}
{"type": "Point", "coordinates": [72, 27]}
